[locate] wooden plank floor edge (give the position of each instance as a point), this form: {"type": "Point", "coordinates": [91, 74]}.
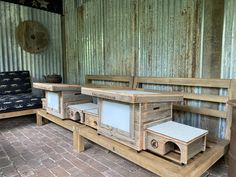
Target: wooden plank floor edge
{"type": "Point", "coordinates": [155, 163]}
{"type": "Point", "coordinates": [18, 113]}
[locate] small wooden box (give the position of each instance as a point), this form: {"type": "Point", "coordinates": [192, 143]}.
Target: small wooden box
{"type": "Point", "coordinates": [91, 118]}
{"type": "Point", "coordinates": [170, 136]}
{"type": "Point", "coordinates": [124, 114]}
{"type": "Point", "coordinates": [76, 111]}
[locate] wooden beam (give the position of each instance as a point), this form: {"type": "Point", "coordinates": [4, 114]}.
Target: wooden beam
{"type": "Point", "coordinates": [113, 78]}
{"type": "Point", "coordinates": [203, 111]}
{"type": "Point", "coordinates": [205, 97]}
{"type": "Point", "coordinates": [18, 113]}
{"type": "Point", "coordinates": [192, 82]}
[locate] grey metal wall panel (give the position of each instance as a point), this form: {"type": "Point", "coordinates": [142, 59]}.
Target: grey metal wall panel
{"type": "Point", "coordinates": [12, 57]}
{"type": "Point", "coordinates": [163, 38]}
{"type": "Point", "coordinates": [229, 41]}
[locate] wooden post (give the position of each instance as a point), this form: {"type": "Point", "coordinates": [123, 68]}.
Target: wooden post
{"type": "Point", "coordinates": [78, 141]}
{"type": "Point", "coordinates": [39, 119]}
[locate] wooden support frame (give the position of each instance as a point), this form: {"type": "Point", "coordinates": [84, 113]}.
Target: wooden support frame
{"type": "Point", "coordinates": [154, 163]}
{"type": "Point", "coordinates": [67, 124]}
{"type": "Point", "coordinates": [18, 113]}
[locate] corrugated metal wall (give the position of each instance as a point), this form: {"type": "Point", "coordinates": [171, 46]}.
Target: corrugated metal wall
{"type": "Point", "coordinates": [132, 37]}
{"type": "Point", "coordinates": [12, 57]}
{"type": "Point", "coordinates": [228, 67]}
{"type": "Point", "coordinates": [163, 38]}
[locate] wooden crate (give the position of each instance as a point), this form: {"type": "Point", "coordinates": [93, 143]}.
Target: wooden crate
{"type": "Point", "coordinates": [171, 136]}
{"type": "Point", "coordinates": [123, 114]}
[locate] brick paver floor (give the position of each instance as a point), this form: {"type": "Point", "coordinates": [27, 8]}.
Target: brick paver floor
{"type": "Point", "coordinates": [27, 150]}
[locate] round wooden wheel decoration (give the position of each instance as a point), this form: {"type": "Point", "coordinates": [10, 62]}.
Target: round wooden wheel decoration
{"type": "Point", "coordinates": [32, 36]}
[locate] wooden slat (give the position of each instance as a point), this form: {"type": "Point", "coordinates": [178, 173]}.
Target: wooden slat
{"type": "Point", "coordinates": [206, 97]}
{"type": "Point", "coordinates": [156, 164]}
{"type": "Point", "coordinates": [195, 96]}
{"type": "Point", "coordinates": [18, 113]}
{"type": "Point", "coordinates": [193, 82]}
{"type": "Point", "coordinates": [203, 111]}
{"type": "Point", "coordinates": [108, 78]}
{"type": "Point", "coordinates": [113, 78]}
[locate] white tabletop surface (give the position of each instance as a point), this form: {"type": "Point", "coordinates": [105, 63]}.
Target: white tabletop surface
{"type": "Point", "coordinates": [83, 106]}
{"type": "Point", "coordinates": [92, 111]}
{"type": "Point", "coordinates": [134, 92]}
{"type": "Point", "coordinates": [178, 131]}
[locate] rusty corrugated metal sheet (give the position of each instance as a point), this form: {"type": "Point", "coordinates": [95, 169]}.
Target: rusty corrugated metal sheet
{"type": "Point", "coordinates": [12, 57]}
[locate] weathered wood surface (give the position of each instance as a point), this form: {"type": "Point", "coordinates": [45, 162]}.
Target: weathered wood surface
{"type": "Point", "coordinates": [89, 79]}
{"type": "Point", "coordinates": [212, 83]}
{"type": "Point", "coordinates": [18, 113]}
{"type": "Point", "coordinates": [56, 87]}
{"type": "Point", "coordinates": [130, 96]}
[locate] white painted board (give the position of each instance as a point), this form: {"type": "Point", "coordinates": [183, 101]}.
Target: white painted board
{"type": "Point", "coordinates": [178, 131]}
{"type": "Point", "coordinates": [116, 115]}
{"type": "Point", "coordinates": [92, 111]}
{"type": "Point", "coordinates": [134, 92]}
{"type": "Point", "coordinates": [83, 106]}
{"type": "Point", "coordinates": [53, 100]}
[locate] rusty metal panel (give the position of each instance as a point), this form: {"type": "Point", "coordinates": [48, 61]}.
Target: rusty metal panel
{"type": "Point", "coordinates": [12, 57]}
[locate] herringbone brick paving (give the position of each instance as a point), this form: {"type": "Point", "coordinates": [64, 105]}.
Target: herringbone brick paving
{"type": "Point", "coordinates": [28, 150]}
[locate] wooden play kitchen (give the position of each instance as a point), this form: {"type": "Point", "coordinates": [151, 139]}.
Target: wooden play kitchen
{"type": "Point", "coordinates": [150, 114]}
{"type": "Point", "coordinates": [59, 96]}
{"type": "Point", "coordinates": [142, 121]}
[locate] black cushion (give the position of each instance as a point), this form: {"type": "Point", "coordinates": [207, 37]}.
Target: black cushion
{"type": "Point", "coordinates": [18, 102]}
{"type": "Point", "coordinates": [15, 82]}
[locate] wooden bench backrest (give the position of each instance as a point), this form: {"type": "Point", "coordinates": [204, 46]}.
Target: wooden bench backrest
{"type": "Point", "coordinates": [114, 81]}
{"type": "Point", "coordinates": [228, 87]}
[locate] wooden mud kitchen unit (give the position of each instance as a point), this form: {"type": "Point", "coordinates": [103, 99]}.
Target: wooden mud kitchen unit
{"type": "Point", "coordinates": [142, 120]}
